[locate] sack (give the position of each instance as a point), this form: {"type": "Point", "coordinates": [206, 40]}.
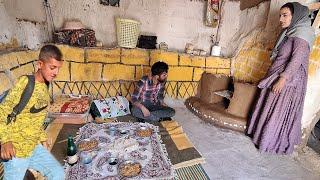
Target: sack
{"type": "Point", "coordinates": [25, 97]}
{"type": "Point", "coordinates": [147, 42]}
{"type": "Point", "coordinates": [110, 107]}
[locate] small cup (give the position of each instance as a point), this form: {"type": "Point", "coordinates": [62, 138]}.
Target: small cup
{"type": "Point", "coordinates": [86, 157]}
{"type": "Point", "coordinates": [112, 130]}
{"type": "Point", "coordinates": [113, 161]}
{"type": "Point", "coordinates": [123, 131]}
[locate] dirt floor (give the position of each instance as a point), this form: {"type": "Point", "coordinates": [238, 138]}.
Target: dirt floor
{"type": "Point", "coordinates": [231, 155]}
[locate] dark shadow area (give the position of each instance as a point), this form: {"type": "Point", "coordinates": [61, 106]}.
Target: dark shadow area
{"type": "Point", "coordinates": [314, 139]}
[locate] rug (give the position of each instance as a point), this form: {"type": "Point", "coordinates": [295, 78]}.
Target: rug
{"type": "Point", "coordinates": [138, 143]}
{"type": "Point", "coordinates": [184, 173]}
{"type": "Point", "coordinates": [185, 158]}
{"type": "Point", "coordinates": [1, 171]}
{"type": "Point", "coordinates": [180, 150]}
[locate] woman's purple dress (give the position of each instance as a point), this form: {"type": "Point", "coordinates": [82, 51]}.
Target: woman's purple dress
{"type": "Point", "coordinates": [275, 125]}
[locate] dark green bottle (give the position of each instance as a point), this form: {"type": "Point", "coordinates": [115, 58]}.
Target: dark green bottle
{"type": "Point", "coordinates": [72, 151]}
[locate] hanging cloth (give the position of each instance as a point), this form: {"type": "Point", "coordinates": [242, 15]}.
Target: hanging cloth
{"type": "Point", "coordinates": [212, 16]}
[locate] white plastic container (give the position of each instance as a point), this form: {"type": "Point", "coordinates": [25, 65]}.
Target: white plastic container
{"type": "Point", "coordinates": [215, 51]}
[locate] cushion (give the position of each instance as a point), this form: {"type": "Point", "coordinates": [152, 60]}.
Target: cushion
{"type": "Point", "coordinates": [70, 104]}
{"type": "Point", "coordinates": [211, 83]}
{"type": "Point", "coordinates": [215, 114]}
{"type": "Point", "coordinates": [242, 100]}
{"type": "Point", "coordinates": [110, 107]}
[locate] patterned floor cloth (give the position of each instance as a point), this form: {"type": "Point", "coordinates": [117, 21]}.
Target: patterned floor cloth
{"type": "Point", "coordinates": [125, 144]}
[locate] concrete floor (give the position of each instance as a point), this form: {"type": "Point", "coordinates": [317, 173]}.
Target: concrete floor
{"type": "Point", "coordinates": [231, 155]}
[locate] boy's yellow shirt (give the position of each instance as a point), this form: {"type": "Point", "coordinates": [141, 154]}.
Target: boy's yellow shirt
{"type": "Point", "coordinates": [27, 131]}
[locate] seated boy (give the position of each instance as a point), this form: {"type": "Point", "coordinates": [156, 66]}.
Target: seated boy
{"type": "Point", "coordinates": [148, 96]}
{"type": "Point", "coordinates": [23, 140]}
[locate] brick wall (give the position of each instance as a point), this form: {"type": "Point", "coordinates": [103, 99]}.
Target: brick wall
{"type": "Point", "coordinates": [95, 64]}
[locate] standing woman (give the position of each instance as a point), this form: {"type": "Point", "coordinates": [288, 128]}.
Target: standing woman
{"type": "Point", "coordinates": [275, 125]}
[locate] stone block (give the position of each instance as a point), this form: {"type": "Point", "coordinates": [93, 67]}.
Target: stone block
{"type": "Point", "coordinates": [22, 70]}
{"type": "Point", "coordinates": [171, 58]}
{"type": "Point", "coordinates": [246, 69]}
{"type": "Point", "coordinates": [317, 41]}
{"type": "Point", "coordinates": [212, 71]}
{"type": "Point", "coordinates": [224, 71]}
{"type": "Point", "coordinates": [64, 72]}
{"type": "Point", "coordinates": [313, 68]}
{"type": "Point", "coordinates": [86, 72]}
{"type": "Point", "coordinates": [237, 65]}
{"type": "Point", "coordinates": [24, 57]}
{"type": "Point", "coordinates": [135, 56]}
{"type": "Point", "coordinates": [217, 62]}
{"type": "Point", "coordinates": [72, 53]}
{"type": "Point", "coordinates": [265, 66]}
{"type": "Point", "coordinates": [118, 72]}
{"type": "Point", "coordinates": [255, 63]}
{"type": "Point", "coordinates": [263, 56]}
{"type": "Point", "coordinates": [5, 83]}
{"type": "Point", "coordinates": [197, 74]}
{"type": "Point", "coordinates": [258, 74]}
{"type": "Point", "coordinates": [240, 75]}
{"type": "Point", "coordinates": [236, 74]}
{"type": "Point", "coordinates": [252, 53]}
{"type": "Point", "coordinates": [180, 74]}
{"type": "Point", "coordinates": [103, 55]}
{"type": "Point", "coordinates": [189, 60]}
{"type": "Point", "coordinates": [315, 54]}
{"type": "Point", "coordinates": [8, 61]}
{"type": "Point", "coordinates": [142, 71]}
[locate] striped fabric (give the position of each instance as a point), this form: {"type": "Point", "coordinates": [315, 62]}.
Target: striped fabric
{"type": "Point", "coordinates": [192, 172]}
{"type": "Point", "coordinates": [1, 171]}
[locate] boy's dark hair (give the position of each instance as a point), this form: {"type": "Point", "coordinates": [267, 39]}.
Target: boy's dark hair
{"type": "Point", "coordinates": [290, 6]}
{"type": "Point", "coordinates": [159, 67]}
{"type": "Point", "coordinates": [50, 51]}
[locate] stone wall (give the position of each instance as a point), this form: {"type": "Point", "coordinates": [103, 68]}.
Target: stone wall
{"type": "Point", "coordinates": [253, 61]}
{"type": "Point", "coordinates": [95, 64]}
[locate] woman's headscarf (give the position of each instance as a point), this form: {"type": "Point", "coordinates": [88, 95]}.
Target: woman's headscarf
{"type": "Point", "coordinates": [300, 27]}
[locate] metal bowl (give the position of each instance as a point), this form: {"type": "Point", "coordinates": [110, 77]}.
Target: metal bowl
{"type": "Point", "coordinates": [112, 130]}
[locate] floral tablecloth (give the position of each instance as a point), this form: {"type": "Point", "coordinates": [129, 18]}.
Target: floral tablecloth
{"type": "Point", "coordinates": [125, 145]}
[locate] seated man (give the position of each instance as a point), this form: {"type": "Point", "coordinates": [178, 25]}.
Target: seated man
{"type": "Point", "coordinates": [148, 96]}
{"type": "Point", "coordinates": [23, 140]}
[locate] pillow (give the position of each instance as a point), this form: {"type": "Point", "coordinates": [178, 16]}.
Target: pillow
{"type": "Point", "coordinates": [211, 83]}
{"type": "Point", "coordinates": [70, 104]}
{"type": "Point", "coordinates": [242, 100]}
{"type": "Point", "coordinates": [224, 93]}
{"type": "Point", "coordinates": [110, 107]}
